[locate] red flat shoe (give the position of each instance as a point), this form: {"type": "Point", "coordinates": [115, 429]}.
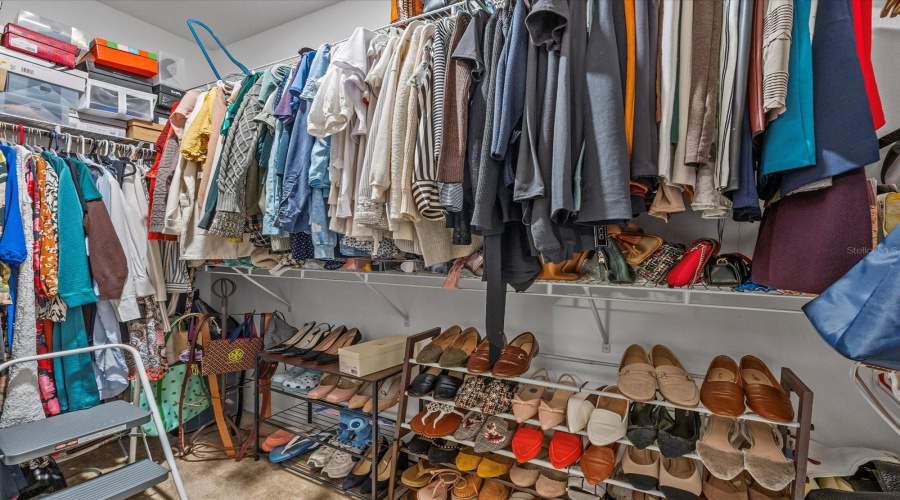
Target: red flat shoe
{"type": "Point", "coordinates": [527, 444]}
{"type": "Point", "coordinates": [565, 449]}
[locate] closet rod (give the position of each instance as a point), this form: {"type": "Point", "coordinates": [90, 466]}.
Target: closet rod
{"type": "Point", "coordinates": [430, 15]}
{"type": "Point", "coordinates": [87, 142]}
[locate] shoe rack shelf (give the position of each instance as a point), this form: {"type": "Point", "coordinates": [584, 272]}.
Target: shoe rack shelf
{"type": "Point", "coordinates": [308, 417]}
{"type": "Point", "coordinates": [796, 432]}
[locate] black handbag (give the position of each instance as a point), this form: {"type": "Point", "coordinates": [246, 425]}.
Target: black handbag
{"type": "Point", "coordinates": [728, 269]}
{"type": "Point", "coordinates": [432, 5]}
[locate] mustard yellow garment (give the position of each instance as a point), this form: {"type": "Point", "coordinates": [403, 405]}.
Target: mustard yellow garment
{"type": "Point", "coordinates": [629, 73]}
{"type": "Point", "coordinates": [195, 144]}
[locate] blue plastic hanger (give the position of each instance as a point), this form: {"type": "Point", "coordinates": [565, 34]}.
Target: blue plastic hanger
{"type": "Point", "coordinates": [191, 23]}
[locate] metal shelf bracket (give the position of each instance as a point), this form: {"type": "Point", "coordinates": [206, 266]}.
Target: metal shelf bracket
{"type": "Point", "coordinates": [362, 278]}
{"type": "Point", "coordinates": [262, 287]}
{"type": "Point", "coordinates": [604, 334]}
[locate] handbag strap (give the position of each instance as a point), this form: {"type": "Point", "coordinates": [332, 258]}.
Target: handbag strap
{"type": "Point", "coordinates": [191, 23]}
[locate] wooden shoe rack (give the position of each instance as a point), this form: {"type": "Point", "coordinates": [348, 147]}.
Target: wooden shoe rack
{"type": "Point", "coordinates": [797, 433]}
{"type": "Point", "coordinates": [305, 416]}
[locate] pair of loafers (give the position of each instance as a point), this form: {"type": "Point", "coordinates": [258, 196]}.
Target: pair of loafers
{"type": "Point", "coordinates": [440, 384]}
{"type": "Point", "coordinates": [640, 374]}
{"type": "Point", "coordinates": [728, 384]}
{"type": "Point", "coordinates": [604, 417]}
{"type": "Point", "coordinates": [675, 435]}
{"type": "Point", "coordinates": [452, 348]}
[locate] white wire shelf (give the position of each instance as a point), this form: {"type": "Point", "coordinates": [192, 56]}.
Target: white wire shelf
{"type": "Point", "coordinates": [700, 408]}
{"type": "Point", "coordinates": [562, 428]}
{"type": "Point", "coordinates": [709, 297]}
{"type": "Point", "coordinates": [75, 132]}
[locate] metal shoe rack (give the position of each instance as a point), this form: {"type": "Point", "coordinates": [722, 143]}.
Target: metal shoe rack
{"type": "Point", "coordinates": [796, 433]}
{"type": "Point", "coordinates": [303, 419]}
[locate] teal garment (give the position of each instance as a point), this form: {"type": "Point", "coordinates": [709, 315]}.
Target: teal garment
{"type": "Point", "coordinates": [86, 181]}
{"type": "Point", "coordinates": [789, 141]}
{"type": "Point", "coordinates": [76, 387]}
{"type": "Point", "coordinates": [75, 285]}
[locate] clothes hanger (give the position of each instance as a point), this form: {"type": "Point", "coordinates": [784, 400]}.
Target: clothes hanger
{"type": "Point", "coordinates": [889, 6]}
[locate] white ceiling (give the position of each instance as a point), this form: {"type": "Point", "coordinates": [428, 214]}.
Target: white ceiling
{"type": "Point", "coordinates": [231, 20]}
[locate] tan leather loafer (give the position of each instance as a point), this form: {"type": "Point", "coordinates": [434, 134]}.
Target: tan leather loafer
{"type": "Point", "coordinates": [723, 390]}
{"type": "Point", "coordinates": [765, 396]}
{"type": "Point", "coordinates": [676, 385]}
{"type": "Point", "coordinates": [637, 378]}
{"type": "Point", "coordinates": [515, 360]}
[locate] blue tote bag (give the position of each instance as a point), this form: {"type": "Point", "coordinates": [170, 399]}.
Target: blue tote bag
{"type": "Point", "coordinates": [859, 315]}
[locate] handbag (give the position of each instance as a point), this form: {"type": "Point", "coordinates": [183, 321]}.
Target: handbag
{"type": "Point", "coordinates": [235, 353]}
{"type": "Point", "coordinates": [661, 262]}
{"type": "Point", "coordinates": [728, 269]}
{"type": "Point", "coordinates": [277, 331]}
{"type": "Point", "coordinates": [619, 270]}
{"type": "Point", "coordinates": [177, 340]}
{"type": "Point", "coordinates": [167, 391]}
{"type": "Point", "coordinates": [857, 315]}
{"type": "Point", "coordinates": [432, 5]}
{"type": "Point", "coordinates": [690, 270]}
{"type": "Point", "coordinates": [635, 245]}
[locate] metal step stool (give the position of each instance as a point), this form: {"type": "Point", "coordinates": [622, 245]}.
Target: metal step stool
{"type": "Point", "coordinates": [24, 442]}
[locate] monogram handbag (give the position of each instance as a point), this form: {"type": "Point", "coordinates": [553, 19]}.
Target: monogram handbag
{"type": "Point", "coordinates": [235, 353]}
{"type": "Point", "coordinates": [728, 269]}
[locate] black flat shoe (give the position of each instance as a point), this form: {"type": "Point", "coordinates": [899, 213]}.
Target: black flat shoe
{"type": "Point", "coordinates": [642, 424]}
{"type": "Point", "coordinates": [295, 339]}
{"type": "Point", "coordinates": [363, 470]}
{"type": "Point", "coordinates": [352, 337]}
{"type": "Point", "coordinates": [419, 445]}
{"type": "Point", "coordinates": [446, 386]}
{"type": "Point", "coordinates": [678, 437]}
{"type": "Point", "coordinates": [424, 383]}
{"type": "Point", "coordinates": [324, 344]}
{"type": "Point", "coordinates": [309, 342]}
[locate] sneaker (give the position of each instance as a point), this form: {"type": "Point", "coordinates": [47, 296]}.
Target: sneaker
{"type": "Point", "coordinates": [288, 374]}
{"type": "Point", "coordinates": [342, 462]}
{"type": "Point", "coordinates": [321, 457]}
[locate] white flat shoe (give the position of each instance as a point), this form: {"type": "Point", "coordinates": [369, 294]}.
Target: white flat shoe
{"type": "Point", "coordinates": [578, 410]}
{"type": "Point", "coordinates": [609, 420]}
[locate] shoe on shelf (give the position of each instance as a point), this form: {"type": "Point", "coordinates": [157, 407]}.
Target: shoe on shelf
{"type": "Point", "coordinates": [362, 396]}
{"type": "Point", "coordinates": [524, 475]}
{"type": "Point", "coordinates": [467, 488]}
{"type": "Point", "coordinates": [722, 489]}
{"type": "Point", "coordinates": [388, 395]}
{"type": "Point", "coordinates": [527, 443]}
{"type": "Point", "coordinates": [470, 426]}
{"type": "Point", "coordinates": [493, 465]}
{"type": "Point", "coordinates": [765, 396]}
{"type": "Point", "coordinates": [278, 438]}
{"type": "Point", "coordinates": [294, 339]}
{"type": "Point", "coordinates": [757, 492]}
{"type": "Point", "coordinates": [323, 344]}
{"type": "Point", "coordinates": [637, 377]}
{"type": "Point", "coordinates": [551, 483]}
{"type": "Point", "coordinates": [608, 421]}
{"type": "Point", "coordinates": [467, 460]}
{"type": "Point", "coordinates": [599, 462]}
{"type": "Point", "coordinates": [717, 449]}
{"type": "Point", "coordinates": [432, 352]}
{"type": "Point", "coordinates": [495, 435]}
{"type": "Point", "coordinates": [552, 411]}
{"type": "Point", "coordinates": [473, 393]}
{"type": "Point", "coordinates": [342, 462]}
{"type": "Point", "coordinates": [722, 391]}
{"type": "Point", "coordinates": [679, 479]}
{"type": "Point", "coordinates": [678, 436]}
{"type": "Point", "coordinates": [641, 467]}
{"type": "Point", "coordinates": [345, 389]}
{"type": "Point", "coordinates": [292, 372]}
{"type": "Point", "coordinates": [765, 459]}
{"type": "Point", "coordinates": [498, 397]}
{"type": "Point", "coordinates": [480, 360]}
{"type": "Point", "coordinates": [492, 490]}
{"type": "Point", "coordinates": [419, 474]}
{"type": "Point", "coordinates": [442, 483]}
{"type": "Point", "coordinates": [306, 381]}
{"type": "Point", "coordinates": [457, 354]}
{"type": "Point", "coordinates": [442, 451]}
{"type": "Point", "coordinates": [330, 355]}
{"type": "Point", "coordinates": [296, 447]}
{"type": "Point", "coordinates": [363, 468]}
{"type": "Point", "coordinates": [643, 422]}
{"type": "Point", "coordinates": [676, 385]}
{"type": "Point", "coordinates": [321, 457]}
{"type": "Point", "coordinates": [515, 359]}
{"type": "Point", "coordinates": [327, 384]}
{"type": "Point", "coordinates": [419, 444]}
{"type": "Point", "coordinates": [447, 386]}
{"type": "Point", "coordinates": [525, 403]}
{"type": "Point", "coordinates": [579, 408]}
{"type": "Point", "coordinates": [384, 471]}
{"type": "Point", "coordinates": [565, 449]}
{"type": "Point", "coordinates": [423, 383]}
{"type": "Point", "coordinates": [309, 341]}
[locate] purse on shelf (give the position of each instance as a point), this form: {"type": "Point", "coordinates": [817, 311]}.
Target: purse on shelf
{"type": "Point", "coordinates": [728, 269]}
{"type": "Point", "coordinates": [235, 353]}
{"type": "Point", "coordinates": [661, 262]}
{"type": "Point", "coordinates": [636, 245]}
{"type": "Point", "coordinates": [690, 270]}
{"type": "Point", "coordinates": [432, 5]}
{"type": "Point", "coordinates": [619, 272]}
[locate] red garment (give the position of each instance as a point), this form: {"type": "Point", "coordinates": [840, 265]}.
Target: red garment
{"type": "Point", "coordinates": [862, 28]}
{"type": "Point", "coordinates": [159, 147]}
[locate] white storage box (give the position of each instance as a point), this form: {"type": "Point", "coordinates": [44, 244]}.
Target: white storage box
{"type": "Point", "coordinates": [105, 99]}
{"type": "Point", "coordinates": [19, 105]}
{"type": "Point", "coordinates": [370, 357]}
{"type": "Point", "coordinates": [70, 78]}
{"type": "Point", "coordinates": [43, 91]}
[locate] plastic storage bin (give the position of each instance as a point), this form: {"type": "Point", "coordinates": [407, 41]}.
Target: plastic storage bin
{"type": "Point", "coordinates": [172, 71]}
{"type": "Point", "coordinates": [55, 29]}
{"type": "Point", "coordinates": [105, 99]}
{"type": "Point", "coordinates": [43, 91]}
{"type": "Point", "coordinates": [19, 105]}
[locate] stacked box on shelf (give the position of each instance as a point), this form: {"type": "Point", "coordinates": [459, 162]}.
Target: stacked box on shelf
{"type": "Point", "coordinates": [38, 45]}
{"type": "Point", "coordinates": [118, 83]}
{"type": "Point", "coordinates": [39, 92]}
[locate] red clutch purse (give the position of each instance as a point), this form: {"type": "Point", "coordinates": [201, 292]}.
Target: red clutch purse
{"type": "Point", "coordinates": [690, 270]}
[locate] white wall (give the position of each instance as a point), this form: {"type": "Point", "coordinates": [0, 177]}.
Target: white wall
{"type": "Point", "coordinates": [324, 26]}
{"type": "Point", "coordinates": [101, 21]}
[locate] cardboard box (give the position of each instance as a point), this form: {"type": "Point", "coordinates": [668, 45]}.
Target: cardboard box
{"type": "Point", "coordinates": [143, 131]}
{"type": "Point", "coordinates": [130, 59]}
{"type": "Point", "coordinates": [27, 46]}
{"type": "Point", "coordinates": [70, 78]}
{"type": "Point", "coordinates": [373, 356]}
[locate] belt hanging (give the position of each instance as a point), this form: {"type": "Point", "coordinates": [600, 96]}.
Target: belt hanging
{"type": "Point", "coordinates": [495, 303]}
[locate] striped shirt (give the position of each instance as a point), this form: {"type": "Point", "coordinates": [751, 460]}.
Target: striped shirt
{"type": "Point", "coordinates": [425, 189]}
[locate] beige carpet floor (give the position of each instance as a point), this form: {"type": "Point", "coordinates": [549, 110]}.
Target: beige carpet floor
{"type": "Point", "coordinates": [206, 480]}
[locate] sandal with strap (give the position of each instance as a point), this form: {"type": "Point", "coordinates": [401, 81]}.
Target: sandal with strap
{"type": "Point", "coordinates": [552, 412]}
{"type": "Point", "coordinates": [525, 402]}
{"type": "Point", "coordinates": [442, 482]}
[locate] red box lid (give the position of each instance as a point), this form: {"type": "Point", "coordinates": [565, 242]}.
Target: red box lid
{"type": "Point", "coordinates": [43, 39]}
